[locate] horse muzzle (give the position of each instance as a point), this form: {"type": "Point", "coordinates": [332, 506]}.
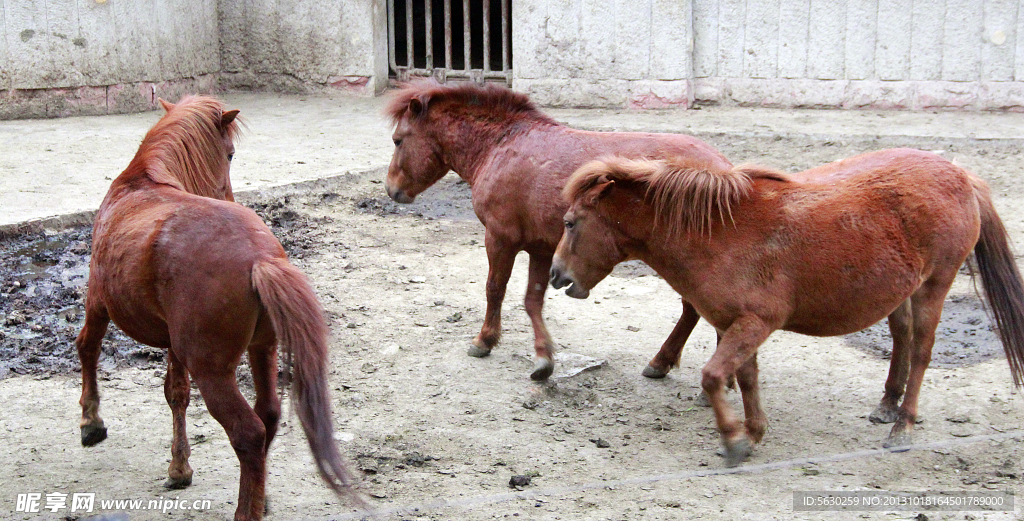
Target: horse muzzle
{"type": "Point", "coordinates": [560, 278]}
{"type": "Point", "coordinates": [398, 195]}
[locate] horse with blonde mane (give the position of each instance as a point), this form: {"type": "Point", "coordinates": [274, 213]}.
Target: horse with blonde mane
{"type": "Point", "coordinates": [515, 160]}
{"type": "Point", "coordinates": [176, 264]}
{"type": "Point", "coordinates": [829, 251]}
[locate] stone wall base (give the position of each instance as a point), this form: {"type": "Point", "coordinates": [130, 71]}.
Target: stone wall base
{"type": "Point", "coordinates": [775, 92]}
{"type": "Point", "coordinates": [126, 98]}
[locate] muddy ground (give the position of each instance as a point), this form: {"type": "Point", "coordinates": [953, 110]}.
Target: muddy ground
{"type": "Point", "coordinates": [436, 434]}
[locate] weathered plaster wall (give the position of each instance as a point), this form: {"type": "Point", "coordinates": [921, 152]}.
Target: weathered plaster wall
{"type": "Point", "coordinates": [914, 54]}
{"type": "Point", "coordinates": [71, 57]}
{"type": "Point", "coordinates": [64, 57]}
{"type": "Point", "coordinates": [298, 45]}
{"type": "Point", "coordinates": [603, 52]}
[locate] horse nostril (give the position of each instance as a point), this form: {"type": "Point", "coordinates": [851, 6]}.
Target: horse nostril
{"type": "Point", "coordinates": [558, 281]}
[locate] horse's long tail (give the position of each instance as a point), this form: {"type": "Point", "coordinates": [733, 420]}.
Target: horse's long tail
{"type": "Point", "coordinates": [298, 321]}
{"type": "Point", "coordinates": [1002, 281]}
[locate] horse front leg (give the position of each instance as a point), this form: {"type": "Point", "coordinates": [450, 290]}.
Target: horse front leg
{"type": "Point", "coordinates": [88, 343]}
{"type": "Point", "coordinates": [544, 347]}
{"type": "Point", "coordinates": [500, 258]}
{"type": "Point", "coordinates": [177, 390]}
{"type": "Point", "coordinates": [738, 345]}
{"type": "Point", "coordinates": [901, 322]}
{"type": "Point", "coordinates": [755, 420]}
{"type": "Point", "coordinates": [668, 355]}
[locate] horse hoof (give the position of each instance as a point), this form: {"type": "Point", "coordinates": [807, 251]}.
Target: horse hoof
{"type": "Point", "coordinates": [651, 372]}
{"type": "Point", "coordinates": [702, 400]}
{"type": "Point", "coordinates": [738, 452]}
{"type": "Point", "coordinates": [92, 434]}
{"type": "Point", "coordinates": [178, 483]}
{"type": "Point", "coordinates": [883, 415]}
{"type": "Point", "coordinates": [478, 352]}
{"type": "Point", "coordinates": [542, 369]}
{"type": "Point", "coordinates": [895, 441]}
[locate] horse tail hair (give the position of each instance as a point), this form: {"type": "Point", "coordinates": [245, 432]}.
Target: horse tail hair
{"type": "Point", "coordinates": [1001, 280]}
{"type": "Point", "coordinates": [298, 321]}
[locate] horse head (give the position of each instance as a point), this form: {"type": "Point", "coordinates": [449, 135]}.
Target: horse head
{"type": "Point", "coordinates": [191, 147]}
{"type": "Point", "coordinates": [418, 160]}
{"type": "Point", "coordinates": [590, 247]}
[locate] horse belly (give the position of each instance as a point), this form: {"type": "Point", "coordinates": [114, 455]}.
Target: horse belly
{"type": "Point", "coordinates": [141, 325]}
{"type": "Point", "coordinates": [847, 309]}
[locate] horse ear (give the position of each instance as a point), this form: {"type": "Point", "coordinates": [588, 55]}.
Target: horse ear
{"type": "Point", "coordinates": [600, 190]}
{"type": "Point", "coordinates": [227, 117]}
{"type": "Point", "coordinates": [166, 105]}
{"type": "Point", "coordinates": [417, 106]}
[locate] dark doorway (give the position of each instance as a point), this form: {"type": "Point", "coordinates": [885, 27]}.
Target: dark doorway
{"type": "Point", "coordinates": [465, 39]}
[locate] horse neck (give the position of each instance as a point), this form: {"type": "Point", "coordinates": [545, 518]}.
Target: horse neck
{"type": "Point", "coordinates": [674, 254]}
{"type": "Point", "coordinates": [467, 145]}
{"type": "Point", "coordinates": [633, 220]}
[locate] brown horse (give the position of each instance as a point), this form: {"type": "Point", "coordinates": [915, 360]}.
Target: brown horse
{"type": "Point", "coordinates": [177, 265]}
{"type": "Point", "coordinates": [826, 252]}
{"type": "Point", "coordinates": [516, 161]}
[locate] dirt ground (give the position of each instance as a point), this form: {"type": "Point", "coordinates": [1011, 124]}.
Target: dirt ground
{"type": "Point", "coordinates": [438, 435]}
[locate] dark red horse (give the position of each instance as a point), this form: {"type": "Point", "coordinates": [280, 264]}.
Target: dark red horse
{"type": "Point", "coordinates": [177, 265]}
{"type": "Point", "coordinates": [515, 160]}
{"type": "Point", "coordinates": [827, 252]}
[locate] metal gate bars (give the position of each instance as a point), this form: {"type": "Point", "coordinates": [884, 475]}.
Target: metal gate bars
{"type": "Point", "coordinates": [479, 49]}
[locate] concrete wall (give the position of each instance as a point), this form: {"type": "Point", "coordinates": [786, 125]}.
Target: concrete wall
{"type": "Point", "coordinates": [64, 57]}
{"type": "Point", "coordinates": [298, 45]}
{"type": "Point", "coordinates": [912, 54]}
{"type": "Point", "coordinates": [71, 57]}
{"type": "Point", "coordinates": [603, 52]}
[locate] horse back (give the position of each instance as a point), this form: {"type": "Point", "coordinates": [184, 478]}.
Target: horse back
{"type": "Point", "coordinates": [518, 193]}
{"type": "Point", "coordinates": [921, 193]}
{"type": "Point", "coordinates": [857, 237]}
{"type": "Point", "coordinates": [162, 257]}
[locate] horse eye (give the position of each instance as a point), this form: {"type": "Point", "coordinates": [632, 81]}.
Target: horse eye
{"type": "Point", "coordinates": [398, 142]}
{"type": "Point", "coordinates": [231, 156]}
{"type": "Point", "coordinates": [569, 225]}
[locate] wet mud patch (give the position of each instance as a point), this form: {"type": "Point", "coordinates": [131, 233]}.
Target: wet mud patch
{"type": "Point", "coordinates": [300, 233]}
{"type": "Point", "coordinates": [43, 285]}
{"type": "Point", "coordinates": [449, 199]}
{"type": "Point", "coordinates": [43, 281]}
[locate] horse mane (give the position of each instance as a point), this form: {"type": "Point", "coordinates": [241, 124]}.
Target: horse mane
{"type": "Point", "coordinates": [185, 148]}
{"type": "Point", "coordinates": [688, 195]}
{"type": "Point", "coordinates": [488, 101]}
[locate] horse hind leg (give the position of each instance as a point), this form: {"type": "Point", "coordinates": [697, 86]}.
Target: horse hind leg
{"type": "Point", "coordinates": [248, 438]}
{"type": "Point", "coordinates": [926, 309]}
{"type": "Point", "coordinates": [263, 362]}
{"type": "Point", "coordinates": [177, 390]}
{"type": "Point", "coordinates": [88, 343]}
{"type": "Point", "coordinates": [544, 347]}
{"type": "Point", "coordinates": [901, 322]}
